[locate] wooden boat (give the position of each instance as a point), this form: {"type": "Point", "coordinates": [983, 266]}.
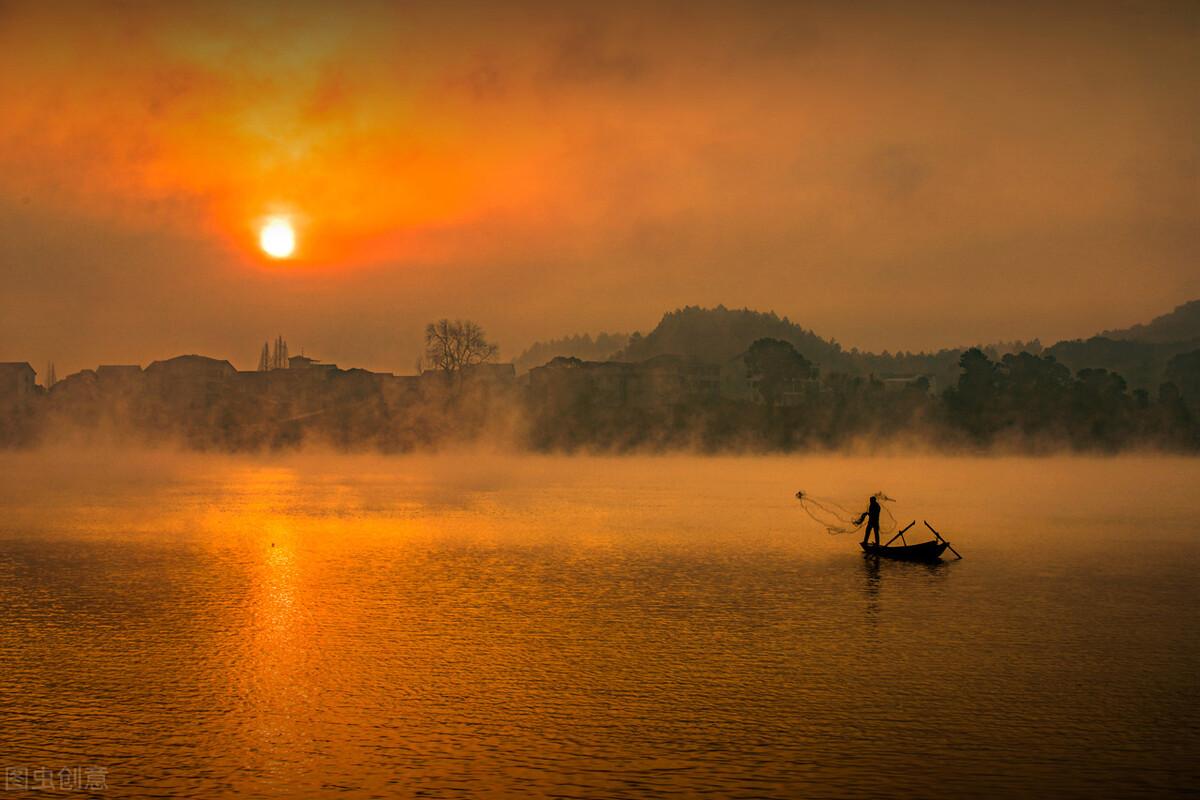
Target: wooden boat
{"type": "Point", "coordinates": [925, 551]}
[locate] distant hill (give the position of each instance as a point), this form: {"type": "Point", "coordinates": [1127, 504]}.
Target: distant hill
{"type": "Point", "coordinates": [1140, 354]}
{"type": "Point", "coordinates": [718, 334]}
{"type": "Point", "coordinates": [1180, 325]}
{"type": "Point", "coordinates": [583, 346]}
{"type": "Point", "coordinates": [1143, 365]}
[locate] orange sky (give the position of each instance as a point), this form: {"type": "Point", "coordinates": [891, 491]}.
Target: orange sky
{"type": "Point", "coordinates": [896, 175]}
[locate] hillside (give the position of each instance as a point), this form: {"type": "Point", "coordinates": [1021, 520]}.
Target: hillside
{"type": "Point", "coordinates": [1143, 365]}
{"type": "Point", "coordinates": [1140, 354]}
{"type": "Point", "coordinates": [1180, 325]}
{"type": "Point", "coordinates": [718, 334]}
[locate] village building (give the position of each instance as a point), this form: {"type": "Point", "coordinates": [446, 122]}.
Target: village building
{"type": "Point", "coordinates": [18, 383]}
{"type": "Point", "coordinates": [189, 380]}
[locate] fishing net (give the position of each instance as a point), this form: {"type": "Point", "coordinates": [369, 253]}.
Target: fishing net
{"type": "Point", "coordinates": [836, 519]}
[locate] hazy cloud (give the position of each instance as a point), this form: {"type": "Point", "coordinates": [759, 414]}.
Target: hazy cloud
{"type": "Point", "coordinates": [893, 175]}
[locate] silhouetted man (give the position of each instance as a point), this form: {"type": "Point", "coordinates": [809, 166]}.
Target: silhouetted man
{"type": "Point", "coordinates": [871, 515]}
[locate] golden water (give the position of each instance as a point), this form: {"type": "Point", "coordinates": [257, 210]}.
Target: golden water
{"type": "Point", "coordinates": [482, 625]}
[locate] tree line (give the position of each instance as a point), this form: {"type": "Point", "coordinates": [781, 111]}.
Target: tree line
{"type": "Point", "coordinates": [1020, 401]}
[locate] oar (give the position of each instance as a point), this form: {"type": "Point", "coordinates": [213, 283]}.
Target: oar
{"type": "Point", "coordinates": [901, 533]}
{"type": "Point", "coordinates": [942, 538]}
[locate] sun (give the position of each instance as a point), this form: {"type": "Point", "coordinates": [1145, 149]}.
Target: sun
{"type": "Point", "coordinates": [277, 238]}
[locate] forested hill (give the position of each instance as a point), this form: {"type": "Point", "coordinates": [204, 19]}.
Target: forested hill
{"type": "Point", "coordinates": [1141, 355]}
{"type": "Point", "coordinates": [718, 334]}
{"type": "Point", "coordinates": [1143, 365]}
{"type": "Point", "coordinates": [1180, 325]}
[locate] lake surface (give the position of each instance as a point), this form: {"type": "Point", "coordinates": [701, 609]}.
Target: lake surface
{"type": "Point", "coordinates": [482, 625]}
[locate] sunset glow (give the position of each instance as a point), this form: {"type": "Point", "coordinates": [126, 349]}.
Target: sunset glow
{"type": "Point", "coordinates": [512, 161]}
{"type": "Point", "coordinates": [599, 398]}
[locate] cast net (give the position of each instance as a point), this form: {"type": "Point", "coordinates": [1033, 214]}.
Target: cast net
{"type": "Point", "coordinates": [836, 519]}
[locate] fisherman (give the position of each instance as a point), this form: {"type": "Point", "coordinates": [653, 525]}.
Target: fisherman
{"type": "Point", "coordinates": [872, 517]}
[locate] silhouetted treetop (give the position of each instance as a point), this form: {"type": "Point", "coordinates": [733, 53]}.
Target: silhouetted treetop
{"type": "Point", "coordinates": [452, 345]}
{"type": "Point", "coordinates": [774, 364]}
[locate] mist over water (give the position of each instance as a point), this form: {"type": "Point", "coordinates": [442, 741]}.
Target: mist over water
{"type": "Point", "coordinates": [476, 623]}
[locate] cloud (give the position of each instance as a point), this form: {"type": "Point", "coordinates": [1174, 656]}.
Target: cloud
{"type": "Point", "coordinates": [551, 168]}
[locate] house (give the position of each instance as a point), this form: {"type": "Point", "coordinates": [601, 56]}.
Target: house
{"type": "Point", "coordinates": [18, 382]}
{"type": "Point", "coordinates": [304, 362]}
{"type": "Point", "coordinates": [189, 380]}
{"type": "Point", "coordinates": [191, 368]}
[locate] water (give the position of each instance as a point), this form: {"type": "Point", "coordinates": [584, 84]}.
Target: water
{"type": "Point", "coordinates": [501, 626]}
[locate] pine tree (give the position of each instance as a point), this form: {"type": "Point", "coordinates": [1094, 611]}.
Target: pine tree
{"type": "Point", "coordinates": [279, 358]}
{"type": "Point", "coordinates": [51, 376]}
{"type": "Point", "coordinates": [264, 360]}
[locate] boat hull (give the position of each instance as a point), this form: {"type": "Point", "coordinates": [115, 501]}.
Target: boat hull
{"type": "Point", "coordinates": [925, 551]}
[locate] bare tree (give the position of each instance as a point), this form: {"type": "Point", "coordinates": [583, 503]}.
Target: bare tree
{"type": "Point", "coordinates": [452, 345]}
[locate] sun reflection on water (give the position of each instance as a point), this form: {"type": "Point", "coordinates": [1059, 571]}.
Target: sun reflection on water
{"type": "Point", "coordinates": [554, 627]}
